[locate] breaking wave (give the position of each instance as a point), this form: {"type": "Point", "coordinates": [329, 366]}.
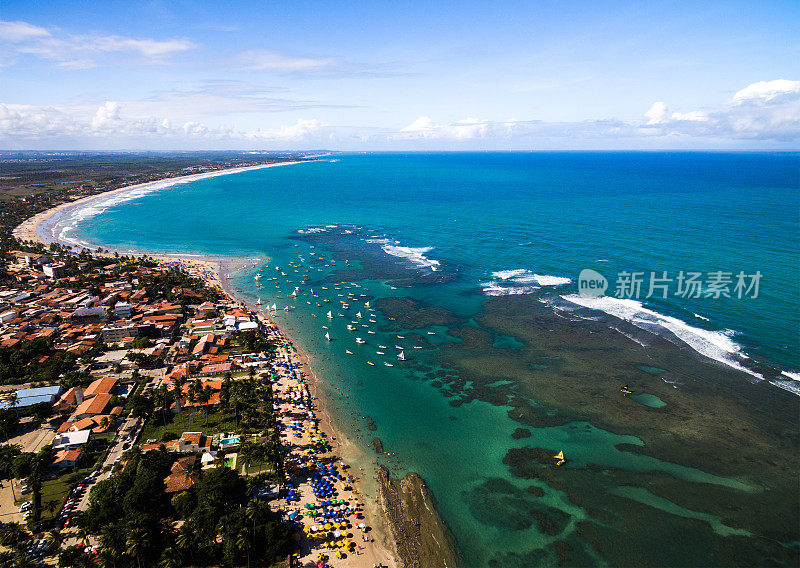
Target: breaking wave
{"type": "Point", "coordinates": [519, 281]}
{"type": "Point", "coordinates": [716, 345]}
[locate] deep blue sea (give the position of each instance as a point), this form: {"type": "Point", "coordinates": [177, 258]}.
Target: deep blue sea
{"type": "Point", "coordinates": [454, 229]}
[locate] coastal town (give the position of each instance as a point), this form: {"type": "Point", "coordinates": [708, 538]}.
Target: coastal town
{"type": "Point", "coordinates": [148, 418]}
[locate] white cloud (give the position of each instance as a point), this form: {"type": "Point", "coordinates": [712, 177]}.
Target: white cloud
{"type": "Point", "coordinates": [267, 60]}
{"type": "Point", "coordinates": [14, 32]}
{"type": "Point", "coordinates": [73, 51]}
{"type": "Point", "coordinates": [767, 91]}
{"type": "Point", "coordinates": [466, 129]}
{"type": "Point", "coordinates": [303, 129]}
{"type": "Point", "coordinates": [657, 114]}
{"type": "Point", "coordinates": [107, 116]}
{"type": "Point", "coordinates": [770, 117]}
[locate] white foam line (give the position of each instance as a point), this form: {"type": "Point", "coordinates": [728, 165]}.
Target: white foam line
{"type": "Point", "coordinates": [715, 345]}
{"type": "Point", "coordinates": [415, 255]}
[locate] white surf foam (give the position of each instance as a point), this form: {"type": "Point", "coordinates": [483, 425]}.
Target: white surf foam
{"type": "Point", "coordinates": [716, 345]}
{"type": "Point", "coordinates": [415, 255]}
{"type": "Point", "coordinates": [507, 274]}
{"type": "Point", "coordinates": [519, 281]}
{"type": "Point", "coordinates": [491, 289]}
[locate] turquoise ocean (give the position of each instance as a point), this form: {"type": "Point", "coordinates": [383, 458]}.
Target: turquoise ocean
{"type": "Point", "coordinates": [445, 233]}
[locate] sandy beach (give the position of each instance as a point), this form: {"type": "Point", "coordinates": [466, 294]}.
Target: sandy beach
{"type": "Point", "coordinates": [379, 549]}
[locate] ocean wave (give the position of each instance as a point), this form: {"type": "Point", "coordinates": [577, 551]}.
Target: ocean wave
{"type": "Point", "coordinates": [520, 281]}
{"type": "Point", "coordinates": [508, 274]}
{"type": "Point", "coordinates": [491, 289]}
{"type": "Point", "coordinates": [716, 345]}
{"type": "Point", "coordinates": [415, 255]}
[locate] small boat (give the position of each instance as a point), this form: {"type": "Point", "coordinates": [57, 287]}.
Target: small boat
{"type": "Point", "coordinates": [418, 347]}
{"type": "Point", "coordinates": [366, 304]}
{"type": "Point", "coordinates": [330, 315]}
{"type": "Point", "coordinates": [388, 364]}
{"type": "Point", "coordinates": [350, 327]}
{"type": "Point", "coordinates": [285, 308]}
{"type": "Point", "coordinates": [401, 337]}
{"type": "Point", "coordinates": [398, 347]}
{"type": "Point", "coordinates": [626, 390]}
{"type": "Point", "coordinates": [324, 327]}
{"type": "Point", "coordinates": [380, 353]}
{"type": "Point", "coordinates": [360, 341]}
{"type": "Point", "coordinates": [358, 315]}
{"type": "Point", "coordinates": [559, 457]}
{"type": "Point", "coordinates": [382, 347]}
{"type": "Point", "coordinates": [258, 302]}
{"type": "Point", "coordinates": [372, 332]}
{"type": "Point", "coordinates": [431, 333]}
{"type": "Point", "coordinates": [370, 363]}
{"type": "Point", "coordinates": [328, 336]}
{"type": "Point", "coordinates": [348, 351]}
{"type": "Point", "coordinates": [274, 307]}
{"type": "Point", "coordinates": [401, 356]}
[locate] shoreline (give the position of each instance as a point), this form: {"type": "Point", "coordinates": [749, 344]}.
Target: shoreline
{"type": "Point", "coordinates": [215, 271]}
{"type": "Point", "coordinates": [28, 230]}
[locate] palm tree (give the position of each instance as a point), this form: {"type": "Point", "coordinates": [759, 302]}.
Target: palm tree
{"type": "Point", "coordinates": [184, 540]}
{"type": "Point", "coordinates": [135, 544]}
{"type": "Point", "coordinates": [244, 542]}
{"type": "Point", "coordinates": [56, 539]}
{"type": "Point", "coordinates": [170, 558]}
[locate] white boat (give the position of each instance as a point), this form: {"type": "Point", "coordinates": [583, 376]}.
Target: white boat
{"type": "Point", "coordinates": [328, 336]}
{"type": "Point", "coordinates": [366, 304]}
{"type": "Point", "coordinates": [372, 332]}
{"type": "Point", "coordinates": [348, 351]}
{"type": "Point", "coordinates": [418, 347]}
{"type": "Point", "coordinates": [388, 364]}
{"type": "Point", "coordinates": [398, 347]}
{"type": "Point", "coordinates": [358, 315]}
{"type": "Point", "coordinates": [401, 356]}
{"type": "Point", "coordinates": [351, 327]}
{"type": "Point", "coordinates": [431, 333]}
{"type": "Point", "coordinates": [258, 302]}
{"type": "Point", "coordinates": [274, 307]}
{"type": "Point", "coordinates": [359, 340]}
{"type": "Point", "coordinates": [380, 353]}
{"type": "Point", "coordinates": [330, 315]}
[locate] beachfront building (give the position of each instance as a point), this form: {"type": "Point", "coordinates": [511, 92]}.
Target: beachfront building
{"type": "Point", "coordinates": [55, 271]}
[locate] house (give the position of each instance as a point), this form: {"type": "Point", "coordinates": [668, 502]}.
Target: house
{"type": "Point", "coordinates": [8, 316]}
{"type": "Point", "coordinates": [69, 400]}
{"type": "Point", "coordinates": [182, 475]}
{"type": "Point", "coordinates": [71, 439]}
{"type": "Point", "coordinates": [193, 442]}
{"type": "Point", "coordinates": [92, 406]}
{"type": "Point", "coordinates": [123, 310]}
{"type": "Point", "coordinates": [68, 457]}
{"type": "Point", "coordinates": [101, 386]}
{"type": "Point", "coordinates": [97, 424]}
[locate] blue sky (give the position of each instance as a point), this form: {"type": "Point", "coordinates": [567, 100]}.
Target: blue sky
{"type": "Point", "coordinates": [399, 75]}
